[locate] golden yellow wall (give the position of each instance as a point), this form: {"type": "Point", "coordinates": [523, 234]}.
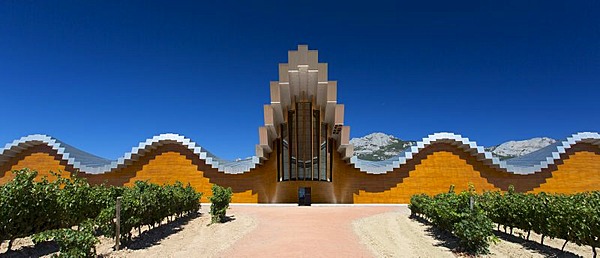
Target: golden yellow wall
{"type": "Point", "coordinates": [170, 167]}
{"type": "Point", "coordinates": [173, 162]}
{"type": "Point", "coordinates": [579, 171]}
{"type": "Point", "coordinates": [431, 171]}
{"type": "Point", "coordinates": [40, 158]}
{"type": "Point", "coordinates": [435, 168]}
{"type": "Point", "coordinates": [432, 176]}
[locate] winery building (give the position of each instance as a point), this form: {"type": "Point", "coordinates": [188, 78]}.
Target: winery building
{"type": "Point", "coordinates": [304, 148]}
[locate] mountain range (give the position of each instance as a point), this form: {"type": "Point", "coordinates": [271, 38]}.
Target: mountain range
{"type": "Point", "coordinates": [381, 146]}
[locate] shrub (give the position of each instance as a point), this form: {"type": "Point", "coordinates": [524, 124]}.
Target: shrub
{"type": "Point", "coordinates": [456, 214]}
{"type": "Point", "coordinates": [27, 207]}
{"type": "Point", "coordinates": [71, 242]}
{"type": "Point", "coordinates": [474, 231]}
{"type": "Point", "coordinates": [418, 203]}
{"type": "Point", "coordinates": [220, 202]}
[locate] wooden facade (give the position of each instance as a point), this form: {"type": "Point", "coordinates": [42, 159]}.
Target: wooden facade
{"type": "Point", "coordinates": [432, 171]}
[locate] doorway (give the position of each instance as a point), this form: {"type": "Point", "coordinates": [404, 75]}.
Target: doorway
{"type": "Point", "coordinates": [304, 196]}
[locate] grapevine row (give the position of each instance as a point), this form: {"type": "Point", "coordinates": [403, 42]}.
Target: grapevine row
{"type": "Point", "coordinates": [49, 210]}
{"type": "Point", "coordinates": [574, 218]}
{"type": "Point", "coordinates": [457, 214]}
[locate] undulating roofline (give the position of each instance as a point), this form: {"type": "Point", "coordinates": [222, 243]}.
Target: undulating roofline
{"type": "Point", "coordinates": [85, 162]}
{"type": "Point", "coordinates": [527, 164]}
{"type": "Point", "coordinates": [91, 164]}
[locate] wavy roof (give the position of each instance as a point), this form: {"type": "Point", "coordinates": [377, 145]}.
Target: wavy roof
{"type": "Point", "coordinates": [89, 163]}
{"type": "Point", "coordinates": [528, 164]}
{"type": "Point", "coordinates": [92, 164]}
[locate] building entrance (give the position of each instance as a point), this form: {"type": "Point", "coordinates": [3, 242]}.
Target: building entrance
{"type": "Point", "coordinates": [304, 196]}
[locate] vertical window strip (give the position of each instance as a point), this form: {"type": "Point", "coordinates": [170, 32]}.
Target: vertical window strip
{"type": "Point", "coordinates": [323, 153]}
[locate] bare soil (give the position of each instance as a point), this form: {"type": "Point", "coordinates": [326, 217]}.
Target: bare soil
{"type": "Point", "coordinates": [393, 234]}
{"type": "Point", "coordinates": [196, 238]}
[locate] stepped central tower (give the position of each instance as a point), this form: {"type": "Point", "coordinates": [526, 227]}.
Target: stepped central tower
{"type": "Point", "coordinates": [304, 119]}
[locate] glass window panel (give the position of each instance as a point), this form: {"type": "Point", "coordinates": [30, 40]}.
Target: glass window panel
{"type": "Point", "coordinates": [293, 145]}
{"type": "Point", "coordinates": [305, 153]}
{"type": "Point", "coordinates": [323, 153]}
{"type": "Point", "coordinates": [315, 145]}
{"type": "Point", "coordinates": [285, 152]}
{"type": "Point", "coordinates": [304, 117]}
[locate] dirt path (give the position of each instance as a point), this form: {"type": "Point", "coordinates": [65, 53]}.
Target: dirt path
{"type": "Point", "coordinates": [303, 232]}
{"type": "Point", "coordinates": [194, 239]}
{"type": "Point", "coordinates": [393, 234]}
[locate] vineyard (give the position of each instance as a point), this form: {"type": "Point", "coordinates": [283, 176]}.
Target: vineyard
{"type": "Point", "coordinates": [73, 213]}
{"type": "Point", "coordinates": [471, 216]}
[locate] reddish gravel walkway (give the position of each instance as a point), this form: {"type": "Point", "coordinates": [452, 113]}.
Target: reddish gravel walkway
{"type": "Point", "coordinates": [317, 231]}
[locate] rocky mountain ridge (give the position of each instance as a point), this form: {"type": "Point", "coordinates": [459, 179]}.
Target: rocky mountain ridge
{"type": "Point", "coordinates": [512, 149]}
{"type": "Point", "coordinates": [381, 146]}
{"type": "Point", "coordinates": [378, 146]}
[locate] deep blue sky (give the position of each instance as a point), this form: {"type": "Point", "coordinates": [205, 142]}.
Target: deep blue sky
{"type": "Point", "coordinates": [105, 75]}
